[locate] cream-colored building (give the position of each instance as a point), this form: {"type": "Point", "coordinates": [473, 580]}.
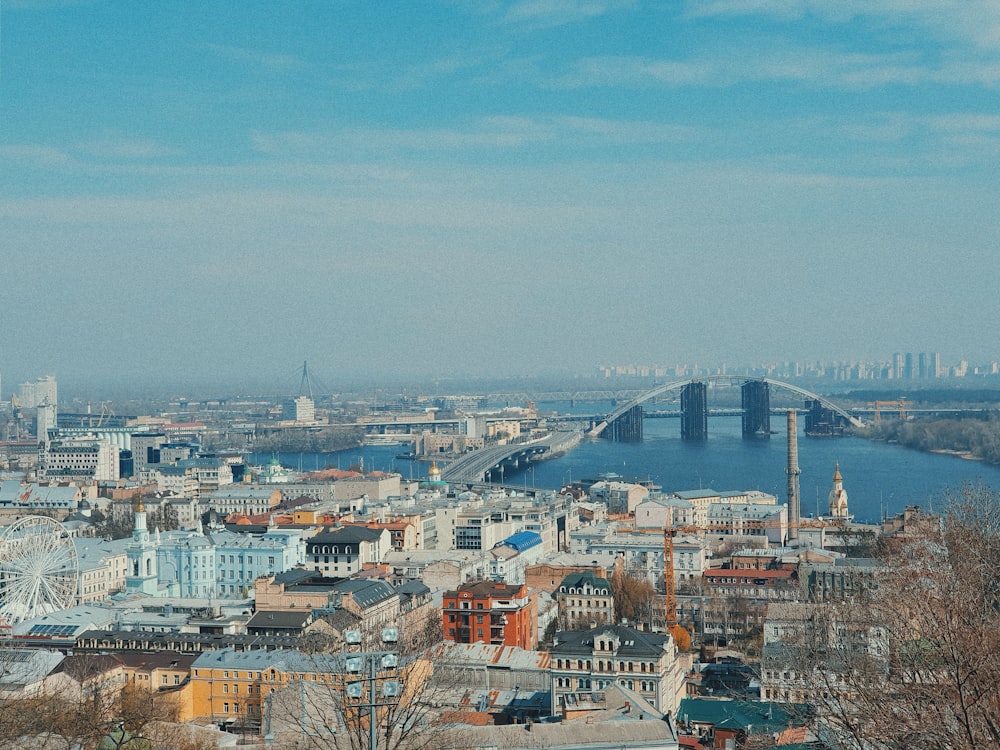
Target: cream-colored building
{"type": "Point", "coordinates": [103, 567]}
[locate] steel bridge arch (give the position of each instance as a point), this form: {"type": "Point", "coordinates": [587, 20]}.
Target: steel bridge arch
{"type": "Point", "coordinates": [733, 379]}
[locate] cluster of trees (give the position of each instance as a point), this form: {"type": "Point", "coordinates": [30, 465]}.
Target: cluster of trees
{"type": "Point", "coordinates": [320, 440]}
{"type": "Point", "coordinates": [119, 525]}
{"type": "Point", "coordinates": [979, 438]}
{"type": "Point", "coordinates": [91, 718]}
{"type": "Point", "coordinates": [914, 661]}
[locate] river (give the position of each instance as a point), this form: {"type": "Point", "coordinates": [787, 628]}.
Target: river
{"type": "Point", "coordinates": [878, 478]}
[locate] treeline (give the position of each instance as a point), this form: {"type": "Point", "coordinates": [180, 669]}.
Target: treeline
{"type": "Point", "coordinates": [986, 397]}
{"type": "Point", "coordinates": [322, 440]}
{"type": "Point", "coordinates": [979, 438]}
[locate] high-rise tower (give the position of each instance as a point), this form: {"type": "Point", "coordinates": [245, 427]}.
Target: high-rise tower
{"type": "Point", "coordinates": [793, 476]}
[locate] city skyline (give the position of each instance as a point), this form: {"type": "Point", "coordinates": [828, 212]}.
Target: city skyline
{"type": "Point", "coordinates": [211, 194]}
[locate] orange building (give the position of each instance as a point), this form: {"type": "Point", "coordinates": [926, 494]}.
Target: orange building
{"type": "Point", "coordinates": [491, 612]}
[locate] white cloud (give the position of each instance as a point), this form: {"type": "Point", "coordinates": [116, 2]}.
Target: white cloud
{"type": "Point", "coordinates": [35, 155]}
{"type": "Point", "coordinates": [823, 67]}
{"type": "Point", "coordinates": [268, 60]}
{"type": "Point", "coordinates": [975, 22]}
{"type": "Point", "coordinates": [114, 146]}
{"type": "Point", "coordinates": [544, 13]}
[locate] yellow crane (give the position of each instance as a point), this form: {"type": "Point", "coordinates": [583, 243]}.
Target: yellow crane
{"type": "Point", "coordinates": [899, 404]}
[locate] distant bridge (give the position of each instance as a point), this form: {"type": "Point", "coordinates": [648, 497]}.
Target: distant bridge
{"type": "Point", "coordinates": [625, 410]}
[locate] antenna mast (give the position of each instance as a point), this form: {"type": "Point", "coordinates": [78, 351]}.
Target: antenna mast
{"type": "Point", "coordinates": [305, 385]}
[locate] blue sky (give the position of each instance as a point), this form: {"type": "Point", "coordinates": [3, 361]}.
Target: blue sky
{"type": "Point", "coordinates": [196, 191]}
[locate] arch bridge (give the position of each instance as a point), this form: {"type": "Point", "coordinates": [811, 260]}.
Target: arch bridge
{"type": "Point", "coordinates": [625, 422]}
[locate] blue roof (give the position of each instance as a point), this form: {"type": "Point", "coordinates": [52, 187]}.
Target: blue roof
{"type": "Point", "coordinates": [521, 541]}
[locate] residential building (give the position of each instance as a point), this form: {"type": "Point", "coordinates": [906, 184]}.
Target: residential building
{"type": "Point", "coordinates": [584, 662]}
{"type": "Point", "coordinates": [375, 487]}
{"type": "Point", "coordinates": [232, 687]}
{"type": "Point", "coordinates": [78, 459]}
{"type": "Point", "coordinates": [620, 497]}
{"type": "Point", "coordinates": [585, 601]}
{"type": "Point", "coordinates": [145, 448]}
{"type": "Point", "coordinates": [103, 566]}
{"type": "Point", "coordinates": [250, 501]}
{"type": "Point", "coordinates": [509, 558]}
{"type": "Point", "coordinates": [797, 634]}
{"type": "Point", "coordinates": [491, 612]}
{"type": "Point", "coordinates": [21, 498]}
{"type": "Point", "coordinates": [344, 550]}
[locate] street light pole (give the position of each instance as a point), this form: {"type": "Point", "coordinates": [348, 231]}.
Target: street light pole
{"type": "Point", "coordinates": [376, 660]}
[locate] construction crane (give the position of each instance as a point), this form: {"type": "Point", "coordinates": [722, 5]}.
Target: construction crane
{"type": "Point", "coordinates": [670, 594]}
{"type": "Point", "coordinates": [899, 404]}
{"type": "Point", "coordinates": [106, 411]}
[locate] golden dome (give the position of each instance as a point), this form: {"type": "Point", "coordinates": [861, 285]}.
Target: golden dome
{"type": "Point", "coordinates": [836, 474]}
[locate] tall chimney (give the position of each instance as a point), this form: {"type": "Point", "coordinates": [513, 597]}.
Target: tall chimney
{"type": "Point", "coordinates": [793, 477]}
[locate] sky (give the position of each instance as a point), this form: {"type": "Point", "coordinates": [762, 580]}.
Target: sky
{"type": "Point", "coordinates": [217, 191]}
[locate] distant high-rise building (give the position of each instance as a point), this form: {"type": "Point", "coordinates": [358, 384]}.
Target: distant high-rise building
{"type": "Point", "coordinates": [897, 366]}
{"type": "Point", "coordinates": [37, 392]}
{"type": "Point", "coordinates": [922, 366]}
{"type": "Point", "coordinates": [46, 418]}
{"type": "Point", "coordinates": [299, 409]}
{"type": "Point", "coordinates": [910, 368]}
{"type": "Point", "coordinates": [934, 365]}
{"type": "Point", "coordinates": [145, 448]}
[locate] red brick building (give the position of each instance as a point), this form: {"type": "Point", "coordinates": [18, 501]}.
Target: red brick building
{"type": "Point", "coordinates": [491, 612]}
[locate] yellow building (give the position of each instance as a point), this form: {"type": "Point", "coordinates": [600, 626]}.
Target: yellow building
{"type": "Point", "coordinates": [231, 687]}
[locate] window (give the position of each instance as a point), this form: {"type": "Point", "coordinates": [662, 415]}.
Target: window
{"type": "Point", "coordinates": [225, 687]}
{"type": "Point", "coordinates": [225, 708]}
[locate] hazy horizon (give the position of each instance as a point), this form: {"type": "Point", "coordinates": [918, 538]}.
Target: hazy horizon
{"type": "Point", "coordinates": [212, 193]}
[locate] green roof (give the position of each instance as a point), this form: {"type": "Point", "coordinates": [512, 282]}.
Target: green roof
{"type": "Point", "coordinates": [734, 714]}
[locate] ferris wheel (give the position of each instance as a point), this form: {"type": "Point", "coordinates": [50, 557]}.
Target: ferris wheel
{"type": "Point", "coordinates": [39, 570]}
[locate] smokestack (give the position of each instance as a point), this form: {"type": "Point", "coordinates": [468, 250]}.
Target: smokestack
{"type": "Point", "coordinates": [793, 476]}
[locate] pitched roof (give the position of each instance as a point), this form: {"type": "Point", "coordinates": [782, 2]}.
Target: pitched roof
{"type": "Point", "coordinates": [346, 535]}
{"type": "Point", "coordinates": [632, 642]}
{"type": "Point", "coordinates": [583, 578]}
{"type": "Point", "coordinates": [366, 592]}
{"type": "Point", "coordinates": [722, 712]}
{"type": "Point", "coordinates": [280, 620]}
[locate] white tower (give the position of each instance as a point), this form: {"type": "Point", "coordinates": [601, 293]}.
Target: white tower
{"type": "Point", "coordinates": [142, 576]}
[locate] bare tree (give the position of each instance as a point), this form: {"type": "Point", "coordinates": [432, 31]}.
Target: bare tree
{"type": "Point", "coordinates": [336, 711]}
{"type": "Point", "coordinates": [914, 661]}
{"type": "Point", "coordinates": [633, 593]}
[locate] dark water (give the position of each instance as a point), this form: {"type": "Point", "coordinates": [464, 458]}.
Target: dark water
{"type": "Point", "coordinates": [876, 475]}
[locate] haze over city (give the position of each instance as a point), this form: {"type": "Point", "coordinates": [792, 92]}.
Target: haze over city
{"type": "Point", "coordinates": [198, 192]}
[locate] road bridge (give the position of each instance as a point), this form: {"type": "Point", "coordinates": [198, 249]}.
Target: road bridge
{"type": "Point", "coordinates": [478, 465]}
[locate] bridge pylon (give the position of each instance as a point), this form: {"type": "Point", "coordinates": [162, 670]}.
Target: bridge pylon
{"type": "Point", "coordinates": [756, 397]}
{"type": "Point", "coordinates": [694, 412]}
{"type": "Point", "coordinates": [627, 428]}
